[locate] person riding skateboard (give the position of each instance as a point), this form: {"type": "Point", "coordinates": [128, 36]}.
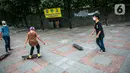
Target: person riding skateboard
{"type": "Point", "coordinates": [5, 34]}
{"type": "Point", "coordinates": [32, 40]}
{"type": "Point", "coordinates": [99, 33]}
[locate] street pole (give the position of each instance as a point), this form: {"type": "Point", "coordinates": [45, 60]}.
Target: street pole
{"type": "Point", "coordinates": [106, 13]}
{"type": "Point", "coordinates": [69, 12]}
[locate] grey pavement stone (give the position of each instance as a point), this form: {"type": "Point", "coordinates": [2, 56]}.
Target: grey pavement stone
{"type": "Point", "coordinates": [80, 71]}
{"type": "Point", "coordinates": [90, 47]}
{"type": "Point", "coordinates": [82, 67]}
{"type": "Point", "coordinates": [114, 31]}
{"type": "Point", "coordinates": [64, 49]}
{"type": "Point", "coordinates": [2, 48]}
{"type": "Point", "coordinates": [77, 55]}
{"type": "Point", "coordinates": [64, 66]}
{"type": "Point", "coordinates": [121, 52]}
{"type": "Point", "coordinates": [118, 44]}
{"type": "Point", "coordinates": [43, 71]}
{"type": "Point", "coordinates": [86, 68]}
{"type": "Point", "coordinates": [57, 70]}
{"type": "Point", "coordinates": [58, 63]}
{"type": "Point", "coordinates": [46, 69]}
{"type": "Point", "coordinates": [108, 37]}
{"type": "Point", "coordinates": [125, 68]}
{"type": "Point", "coordinates": [63, 41]}
{"type": "Point", "coordinates": [71, 69]}
{"type": "Point", "coordinates": [6, 63]}
{"type": "Point", "coordinates": [101, 59]}
{"type": "Point", "coordinates": [2, 70]}
{"type": "Point", "coordinates": [70, 62]}
{"type": "Point", "coordinates": [27, 66]}
{"type": "Point", "coordinates": [51, 57]}
{"type": "Point", "coordinates": [48, 46]}
{"type": "Point", "coordinates": [51, 69]}
{"type": "Point", "coordinates": [82, 34]}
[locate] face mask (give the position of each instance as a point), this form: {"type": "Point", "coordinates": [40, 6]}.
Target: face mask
{"type": "Point", "coordinates": [94, 18]}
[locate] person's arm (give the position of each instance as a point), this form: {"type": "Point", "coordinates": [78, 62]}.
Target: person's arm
{"type": "Point", "coordinates": [39, 39]}
{"type": "Point", "coordinates": [98, 34]}
{"type": "Point", "coordinates": [93, 32]}
{"type": "Point", "coordinates": [26, 41]}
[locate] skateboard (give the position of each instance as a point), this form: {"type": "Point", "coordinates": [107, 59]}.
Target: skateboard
{"type": "Point", "coordinates": [4, 55]}
{"type": "Point", "coordinates": [33, 56]}
{"type": "Point", "coordinates": [77, 47]}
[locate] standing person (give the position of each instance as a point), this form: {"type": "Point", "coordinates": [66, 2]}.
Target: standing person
{"type": "Point", "coordinates": [32, 40]}
{"type": "Point", "coordinates": [99, 33]}
{"type": "Point", "coordinates": [5, 35]}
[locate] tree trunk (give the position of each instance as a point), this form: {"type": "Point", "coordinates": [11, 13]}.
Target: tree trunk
{"type": "Point", "coordinates": [42, 26]}
{"type": "Point", "coordinates": [106, 20]}
{"type": "Point", "coordinates": [26, 23]}
{"type": "Point", "coordinates": [14, 25]}
{"type": "Point", "coordinates": [69, 12]}
{"type": "Point", "coordinates": [106, 13]}
{"type": "Point", "coordinates": [17, 24]}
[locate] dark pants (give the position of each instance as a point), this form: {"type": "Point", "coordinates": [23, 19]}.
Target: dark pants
{"type": "Point", "coordinates": [100, 43]}
{"type": "Point", "coordinates": [32, 49]}
{"type": "Point", "coordinates": [7, 42]}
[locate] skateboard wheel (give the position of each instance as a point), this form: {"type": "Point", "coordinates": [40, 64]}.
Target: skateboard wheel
{"type": "Point", "coordinates": [25, 59]}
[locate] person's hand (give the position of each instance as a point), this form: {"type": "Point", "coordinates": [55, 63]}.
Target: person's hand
{"type": "Point", "coordinates": [38, 35]}
{"type": "Point", "coordinates": [25, 46]}
{"type": "Point", "coordinates": [97, 36]}
{"type": "Point", "coordinates": [43, 43]}
{"type": "Point", "coordinates": [92, 33]}
{"type": "Point", "coordinates": [0, 38]}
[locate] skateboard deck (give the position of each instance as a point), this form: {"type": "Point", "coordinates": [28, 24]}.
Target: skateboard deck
{"type": "Point", "coordinates": [27, 56]}
{"type": "Point", "coordinates": [4, 55]}
{"type": "Point", "coordinates": [77, 47]}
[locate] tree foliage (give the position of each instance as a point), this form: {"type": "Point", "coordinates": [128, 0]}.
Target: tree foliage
{"type": "Point", "coordinates": [19, 9]}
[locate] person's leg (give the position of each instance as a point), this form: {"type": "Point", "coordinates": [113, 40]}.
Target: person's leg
{"type": "Point", "coordinates": [9, 43]}
{"type": "Point", "coordinates": [6, 43]}
{"type": "Point", "coordinates": [31, 51]}
{"type": "Point", "coordinates": [38, 50]}
{"type": "Point", "coordinates": [98, 42]}
{"type": "Point", "coordinates": [102, 45]}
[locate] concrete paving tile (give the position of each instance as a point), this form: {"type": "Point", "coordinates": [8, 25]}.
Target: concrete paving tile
{"type": "Point", "coordinates": [101, 59]}
{"type": "Point", "coordinates": [27, 66]}
{"type": "Point", "coordinates": [2, 70]}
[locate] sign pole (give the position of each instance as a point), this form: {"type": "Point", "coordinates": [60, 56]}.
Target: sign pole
{"type": "Point", "coordinates": [69, 13]}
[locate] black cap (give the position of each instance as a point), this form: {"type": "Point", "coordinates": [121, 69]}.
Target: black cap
{"type": "Point", "coordinates": [96, 15]}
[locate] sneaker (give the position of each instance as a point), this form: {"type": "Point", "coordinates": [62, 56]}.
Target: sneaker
{"type": "Point", "coordinates": [11, 49]}
{"type": "Point", "coordinates": [38, 55]}
{"type": "Point", "coordinates": [103, 52]}
{"type": "Point", "coordinates": [30, 56]}
{"type": "Point", "coordinates": [100, 51]}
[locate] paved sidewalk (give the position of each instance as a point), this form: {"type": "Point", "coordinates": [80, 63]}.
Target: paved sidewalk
{"type": "Point", "coordinates": [58, 55]}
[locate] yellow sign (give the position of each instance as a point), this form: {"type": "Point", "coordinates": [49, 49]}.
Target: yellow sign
{"type": "Point", "coordinates": [52, 13]}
